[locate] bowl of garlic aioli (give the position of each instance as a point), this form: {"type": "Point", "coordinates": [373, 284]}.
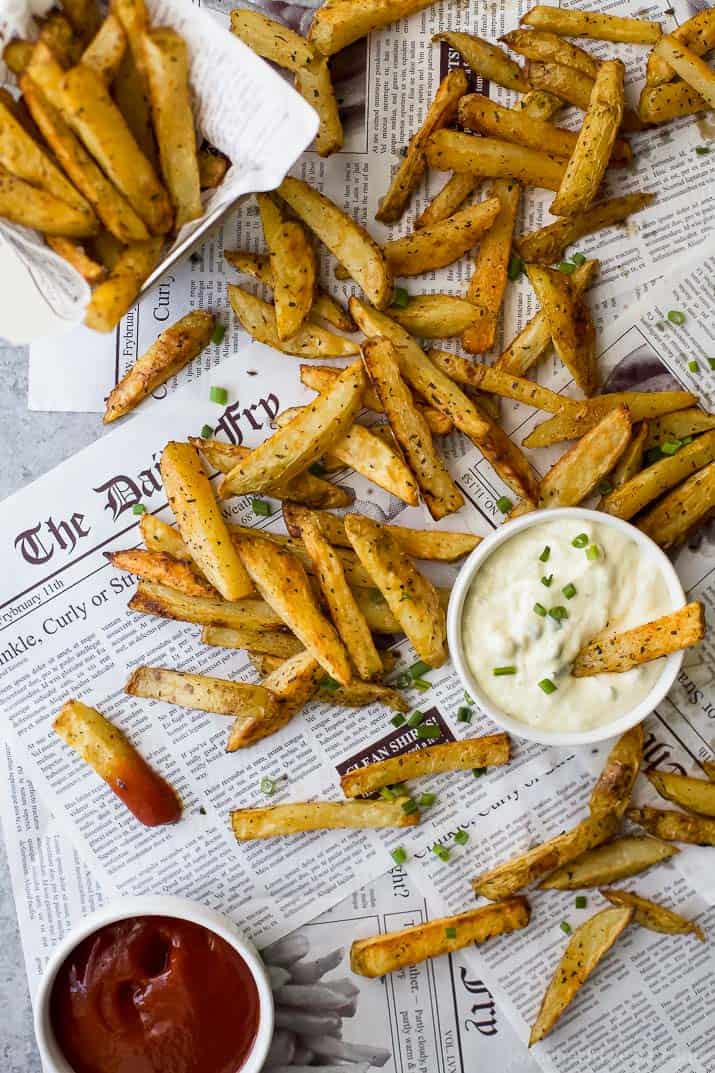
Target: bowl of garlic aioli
{"type": "Point", "coordinates": [531, 595]}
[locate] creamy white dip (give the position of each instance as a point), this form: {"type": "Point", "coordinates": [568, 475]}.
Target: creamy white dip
{"type": "Point", "coordinates": [618, 586]}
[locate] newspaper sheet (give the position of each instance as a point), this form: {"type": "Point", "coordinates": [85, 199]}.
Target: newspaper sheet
{"type": "Point", "coordinates": [385, 84]}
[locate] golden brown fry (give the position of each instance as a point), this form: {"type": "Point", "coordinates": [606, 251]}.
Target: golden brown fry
{"type": "Point", "coordinates": [435, 247]}
{"type": "Point", "coordinates": [258, 318]}
{"type": "Point", "coordinates": [269, 642]}
{"type": "Point", "coordinates": [577, 419]}
{"type": "Point", "coordinates": [315, 84]}
{"type": "Point", "coordinates": [361, 694]}
{"type": "Point", "coordinates": [84, 15]}
{"type": "Point", "coordinates": [437, 316]}
{"type": "Point", "coordinates": [691, 68]}
{"type": "Point", "coordinates": [441, 111]}
{"type": "Point", "coordinates": [696, 33]}
{"type": "Point", "coordinates": [24, 204]}
{"type": "Point", "coordinates": [153, 599]}
{"type": "Point", "coordinates": [486, 59]}
{"type": "Point", "coordinates": [572, 22]}
{"type": "Point", "coordinates": [201, 692]}
{"type": "Point", "coordinates": [487, 378]}
{"type": "Point", "coordinates": [577, 472]}
{"type": "Point", "coordinates": [160, 567]}
{"type": "Point", "coordinates": [324, 305]}
{"type": "Point", "coordinates": [630, 461]}
{"type": "Point", "coordinates": [389, 952]}
{"type": "Point", "coordinates": [569, 324]}
{"type": "Point", "coordinates": [174, 348]}
{"type": "Point", "coordinates": [660, 104]}
{"type": "Point", "coordinates": [105, 51]}
{"type": "Point", "coordinates": [623, 857]}
{"type": "Point", "coordinates": [272, 40]}
{"type": "Point", "coordinates": [674, 826]}
{"type": "Point", "coordinates": [682, 511]}
{"type": "Point", "coordinates": [653, 916]}
{"type": "Point", "coordinates": [612, 792]}
{"type": "Point", "coordinates": [488, 282]}
{"type": "Point", "coordinates": [588, 945]}
{"type": "Point", "coordinates": [694, 795]}
{"type": "Point", "coordinates": [490, 750]}
{"type": "Point", "coordinates": [76, 255]}
{"type": "Point", "coordinates": [338, 23]}
{"type": "Point", "coordinates": [615, 652]}
{"type": "Point", "coordinates": [160, 537]}
{"type": "Point", "coordinates": [131, 92]}
{"type": "Point", "coordinates": [549, 243]}
{"type": "Point", "coordinates": [444, 204]}
{"type": "Point", "coordinates": [452, 150]}
{"type": "Point", "coordinates": [573, 87]}
{"type": "Point", "coordinates": [113, 297]}
{"type": "Point", "coordinates": [293, 683]}
{"type": "Point", "coordinates": [213, 166]}
{"type": "Point", "coordinates": [293, 267]}
{"type": "Point", "coordinates": [678, 425]}
{"type": "Point", "coordinates": [653, 481]}
{"type": "Point", "coordinates": [595, 142]}
{"type": "Point", "coordinates": [545, 47]}
{"type": "Point", "coordinates": [274, 820]}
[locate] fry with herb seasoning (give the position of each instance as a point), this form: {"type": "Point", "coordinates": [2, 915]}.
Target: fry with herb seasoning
{"type": "Point", "coordinates": [151, 598]}
{"type": "Point", "coordinates": [623, 857]}
{"type": "Point", "coordinates": [453, 150]}
{"type": "Point", "coordinates": [694, 795]}
{"type": "Point", "coordinates": [696, 33]}
{"type": "Point", "coordinates": [577, 472]}
{"type": "Point", "coordinates": [615, 652]}
{"type": "Point", "coordinates": [660, 104]}
{"type": "Point", "coordinates": [437, 316]}
{"type": "Point", "coordinates": [258, 318]}
{"type": "Point", "coordinates": [486, 59]}
{"type": "Point", "coordinates": [549, 243]}
{"type": "Point", "coordinates": [488, 281]}
{"type": "Point", "coordinates": [569, 324]}
{"type": "Point", "coordinates": [682, 511]}
{"type": "Point", "coordinates": [450, 198]}
{"type": "Point", "coordinates": [199, 691]}
{"type": "Point", "coordinates": [274, 820]}
{"type": "Point", "coordinates": [293, 267]}
{"type": "Point", "coordinates": [106, 49]}
{"type": "Point", "coordinates": [571, 22]}
{"type": "Point", "coordinates": [546, 47]}
{"type": "Point", "coordinates": [674, 826]}
{"type": "Point", "coordinates": [654, 480]}
{"type": "Point", "coordinates": [162, 568]}
{"type": "Point", "coordinates": [440, 245]}
{"type": "Point", "coordinates": [691, 68]}
{"type": "Point", "coordinates": [481, 377]}
{"type": "Point", "coordinates": [117, 293]}
{"type": "Point", "coordinates": [612, 792]}
{"type": "Point", "coordinates": [652, 916]}
{"type": "Point", "coordinates": [578, 418]}
{"type": "Point", "coordinates": [276, 643]}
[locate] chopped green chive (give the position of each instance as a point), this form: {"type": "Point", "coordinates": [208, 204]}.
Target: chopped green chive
{"type": "Point", "coordinates": [440, 851]}
{"type": "Point", "coordinates": [260, 507]}
{"type": "Point", "coordinates": [399, 855]}
{"type": "Point", "coordinates": [565, 927]}
{"type": "Point", "coordinates": [711, 363]}
{"type": "Point", "coordinates": [593, 552]}
{"type": "Point", "coordinates": [138, 508]}
{"type": "Point", "coordinates": [206, 432]}
{"type": "Point", "coordinates": [403, 681]}
{"type": "Point", "coordinates": [409, 806]}
{"type": "Point", "coordinates": [504, 504]}
{"type": "Point", "coordinates": [421, 684]}
{"type": "Point", "coordinates": [569, 590]}
{"type": "Point", "coordinates": [547, 579]}
{"type": "Point", "coordinates": [329, 684]}
{"type": "Point", "coordinates": [581, 901]}
{"type": "Point", "coordinates": [547, 686]}
{"type": "Point", "coordinates": [558, 613]}
{"type": "Point", "coordinates": [579, 259]}
{"type": "Point", "coordinates": [478, 772]}
{"type": "Point", "coordinates": [566, 267]}
{"type": "Point", "coordinates": [604, 487]}
{"type": "Point", "coordinates": [219, 395]}
{"type": "Point", "coordinates": [516, 267]}
{"type": "Point", "coordinates": [415, 719]}
{"type": "Point", "coordinates": [218, 332]}
{"type": "Point", "coordinates": [267, 786]}
{"type": "Point", "coordinates": [675, 316]}
{"type": "Point", "coordinates": [693, 366]}
{"type": "Point", "coordinates": [544, 557]}
{"type": "Point", "coordinates": [428, 731]}
{"type": "Point", "coordinates": [468, 699]}
{"type": "Point", "coordinates": [702, 150]}
{"type": "Point", "coordinates": [539, 609]}
{"type": "Point", "coordinates": [670, 447]}
{"type": "Point", "coordinates": [580, 541]}
{"type": "Point", "coordinates": [450, 933]}
{"type": "Point", "coordinates": [418, 669]}
{"type": "Point", "coordinates": [387, 794]}
{"type": "Point", "coordinates": [398, 720]}
{"type": "Point", "coordinates": [426, 800]}
{"type": "Point", "coordinates": [316, 469]}
{"type": "Point", "coordinates": [464, 715]}
{"type": "Point", "coordinates": [400, 789]}
{"type": "Point", "coordinates": [499, 672]}
{"type": "Point", "coordinates": [400, 298]}
{"type": "Point", "coordinates": [461, 837]}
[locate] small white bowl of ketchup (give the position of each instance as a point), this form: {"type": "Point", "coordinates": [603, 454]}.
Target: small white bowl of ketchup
{"type": "Point", "coordinates": [154, 984]}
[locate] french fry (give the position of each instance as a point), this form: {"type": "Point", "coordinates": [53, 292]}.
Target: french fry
{"type": "Point", "coordinates": [361, 694]}
{"type": "Point", "coordinates": [488, 751]}
{"type": "Point", "coordinates": [630, 461]}
{"type": "Point", "coordinates": [437, 316]}
{"type": "Point", "coordinates": [480, 377]}
{"type": "Point", "coordinates": [625, 856]}
{"type": "Point", "coordinates": [513, 875]}
{"type": "Point", "coordinates": [696, 33]}
{"type": "Point", "coordinates": [435, 247]}
{"type": "Point", "coordinates": [293, 267]}
{"type": "Point", "coordinates": [671, 100]}
{"type": "Point", "coordinates": [595, 142]}
{"type": "Point", "coordinates": [652, 916]}
{"type": "Point", "coordinates": [678, 425]}
{"type": "Point", "coordinates": [577, 472]}
{"type": "Point", "coordinates": [548, 244]}
{"type": "Point", "coordinates": [273, 820]}
{"type": "Point", "coordinates": [578, 419]}
{"type": "Point", "coordinates": [569, 324]}
{"type": "Point", "coordinates": [410, 429]}
{"type": "Point", "coordinates": [118, 292]}
{"type": "Point", "coordinates": [103, 746]}
{"type": "Point", "coordinates": [314, 83]}
{"type": "Point", "coordinates": [486, 59]}
{"type": "Point", "coordinates": [131, 86]}
{"type": "Point", "coordinates": [674, 826]}
{"type": "Point", "coordinates": [200, 521]}
{"type": "Point", "coordinates": [653, 481]}
{"type": "Point", "coordinates": [612, 792]}
{"type": "Point", "coordinates": [545, 47]}
{"type": "Point", "coordinates": [153, 599]}
{"type": "Point", "coordinates": [350, 243]}
{"type": "Point", "coordinates": [324, 305]}
{"type": "Point", "coordinates": [571, 85]}
{"type": "Point", "coordinates": [694, 795]}
{"type": "Point", "coordinates": [271, 643]}
{"type": "Point", "coordinates": [588, 945]}
{"type": "Point", "coordinates": [389, 952]}
{"type": "Point", "coordinates": [293, 683]}
{"type": "Point", "coordinates": [570, 22]}
{"type": "Point", "coordinates": [443, 393]}
{"type": "Point", "coordinates": [213, 166]}
{"type": "Point", "coordinates": [308, 436]}
{"type": "Point", "coordinates": [413, 599]}
{"type": "Point", "coordinates": [374, 607]}
{"type": "Point", "coordinates": [615, 652]}
{"type": "Point", "coordinates": [201, 692]}
{"type": "Point", "coordinates": [272, 40]}
{"type": "Point", "coordinates": [162, 568]}
{"type": "Point", "coordinates": [67, 37]}
{"type": "Point", "coordinates": [160, 537]}
{"type": "Point", "coordinates": [16, 55]}
{"type": "Point", "coordinates": [84, 16]}
{"type": "Point", "coordinates": [76, 255]}
{"type": "Point", "coordinates": [683, 510]}
{"type": "Point", "coordinates": [441, 111]}
{"type": "Point", "coordinates": [691, 68]}
{"type": "Point", "coordinates": [105, 51]}
{"type": "Point", "coordinates": [451, 197]}
{"type": "Point", "coordinates": [173, 349]}
{"type": "Point", "coordinates": [24, 204]}
{"type": "Point", "coordinates": [452, 150]}
{"type": "Point", "coordinates": [258, 318]}
{"type": "Point", "coordinates": [337, 24]}
{"type": "Point", "coordinates": [488, 282]}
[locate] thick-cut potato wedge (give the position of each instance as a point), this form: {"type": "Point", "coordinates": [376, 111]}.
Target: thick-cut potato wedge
{"type": "Point", "coordinates": [24, 204]}
{"type": "Point", "coordinates": [549, 243]}
{"type": "Point", "coordinates": [452, 150]}
{"type": "Point", "coordinates": [432, 760]}
{"type": "Point", "coordinates": [338, 23]}
{"type": "Point", "coordinates": [281, 579]}
{"type": "Point", "coordinates": [444, 204]}
{"type": "Point", "coordinates": [16, 55]}
{"type": "Point", "coordinates": [394, 950]}
{"type": "Point", "coordinates": [588, 945]}
{"type": "Point", "coordinates": [105, 51]}
{"type": "Point", "coordinates": [103, 746]}
{"type": "Point", "coordinates": [486, 59]}
{"type": "Point", "coordinates": [324, 305]}
{"type": "Point", "coordinates": [438, 316]}
{"type": "Point", "coordinates": [153, 599]}
{"type": "Point", "coordinates": [413, 599]}
{"type": "Point", "coordinates": [631, 460]}
{"type": "Point", "coordinates": [694, 795]}
{"type": "Point", "coordinates": [569, 324]}
{"type": "Point", "coordinates": [548, 47]}
{"type": "Point", "coordinates": [76, 255]}
{"type": "Point", "coordinates": [683, 510]}
{"type": "Point", "coordinates": [570, 22]}
{"type": "Point", "coordinates": [410, 429]}
{"type": "Point", "coordinates": [513, 875]}
{"type": "Point", "coordinates": [691, 68]}
{"type": "Point", "coordinates": [660, 104]}
{"type": "Point", "coordinates": [162, 568]}
{"type": "Point", "coordinates": [362, 694]}
{"type": "Point", "coordinates": [578, 419]}
{"type": "Point", "coordinates": [616, 652]}
{"type": "Point", "coordinates": [84, 15]}
{"type": "Point", "coordinates": [292, 266]}
{"type": "Point", "coordinates": [488, 282]}
{"type": "Point", "coordinates": [272, 40]}
{"type": "Point", "coordinates": [696, 33]}
{"type": "Point", "coordinates": [271, 643]}
{"type": "Point", "coordinates": [441, 111]}
{"type": "Point", "coordinates": [174, 348]}
{"type": "Point", "coordinates": [441, 392]}
{"type": "Point", "coordinates": [375, 608]}
{"type": "Point", "coordinates": [258, 318]}
{"type": "Point", "coordinates": [612, 792]}
{"type": "Point", "coordinates": [674, 826]}
{"type": "Point", "coordinates": [315, 84]}
{"type": "Point", "coordinates": [678, 425]}
{"type": "Point", "coordinates": [274, 820]}
{"type": "Point", "coordinates": [570, 84]}
{"type": "Point", "coordinates": [357, 576]}
{"type": "Point", "coordinates": [213, 166]}
{"type": "Point", "coordinates": [160, 537]}
{"type": "Point", "coordinates": [435, 247]}
{"type": "Point", "coordinates": [131, 86]}
{"type": "Point", "coordinates": [595, 142]}
{"type": "Point", "coordinates": [623, 857]}
{"type": "Point", "coordinates": [200, 521]}
{"type": "Point", "coordinates": [486, 378]}
{"type": "Point", "coordinates": [118, 292]}
{"type": "Point", "coordinates": [293, 683]}
{"type": "Point", "coordinates": [308, 436]}
{"type": "Point", "coordinates": [652, 916]}
{"type": "Point", "coordinates": [653, 481]}
{"type": "Point", "coordinates": [350, 243]}
{"type": "Point", "coordinates": [579, 470]}
{"type": "Point", "coordinates": [201, 692]}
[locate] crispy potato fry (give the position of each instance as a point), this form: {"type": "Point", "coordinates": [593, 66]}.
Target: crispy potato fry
{"type": "Point", "coordinates": [577, 472]}
{"type": "Point", "coordinates": [410, 429]}
{"type": "Point", "coordinates": [131, 92]}
{"type": "Point", "coordinates": [443, 393]}
{"type": "Point", "coordinates": [653, 481]}
{"type": "Point", "coordinates": [350, 243]}
{"type": "Point", "coordinates": [389, 952]}
{"type": "Point", "coordinates": [660, 104]}
{"type": "Point", "coordinates": [357, 576]}
{"type": "Point", "coordinates": [103, 746]}
{"type": "Point", "coordinates": [258, 318]}
{"type": "Point", "coordinates": [432, 760]}
{"type": "Point", "coordinates": [24, 204]}
{"type": "Point", "coordinates": [548, 47]}
{"type": "Point", "coordinates": [441, 111]}
{"type": "Point", "coordinates": [694, 795]}
{"type": "Point", "coordinates": [105, 51]}
{"type": "Point", "coordinates": [377, 612]}
{"type": "Point", "coordinates": [578, 419]}
{"type": "Point", "coordinates": [487, 378]}
{"type": "Point", "coordinates": [513, 875]}
{"type": "Point", "coordinates": [570, 84]}
{"type": "Point", "coordinates": [488, 282]}
{"type": "Point", "coordinates": [293, 683]}
{"type": "Point", "coordinates": [452, 150]}
{"type": "Point", "coordinates": [437, 316]}
{"type": "Point", "coordinates": [612, 792]}
{"type": "Point", "coordinates": [153, 599]}
{"type": "Point", "coordinates": [653, 916]}
{"type": "Point", "coordinates": [630, 461]}
{"type": "Point", "coordinates": [588, 945]}
{"type": "Point", "coordinates": [271, 643]}
{"type": "Point", "coordinates": [696, 33]}
{"type": "Point", "coordinates": [201, 692]}
{"type": "Point", "coordinates": [293, 267]}
{"type": "Point", "coordinates": [361, 694]}
{"type": "Point", "coordinates": [274, 820]}
{"type": "Point", "coordinates": [160, 537]}
{"type": "Point", "coordinates": [118, 292]}
{"type": "Point", "coordinates": [615, 652]}
{"type": "Point", "coordinates": [84, 15]}
{"type": "Point", "coordinates": [200, 521]}
{"type": "Point", "coordinates": [571, 22]}
{"type": "Point", "coordinates": [682, 511]}
{"type": "Point", "coordinates": [435, 247]}
{"type": "Point", "coordinates": [549, 243]}
{"type": "Point", "coordinates": [173, 349]}
{"type": "Point", "coordinates": [324, 305]}
{"type": "Point", "coordinates": [315, 84]}
{"type": "Point", "coordinates": [691, 68]}
{"type": "Point", "coordinates": [444, 204]}
{"type": "Point", "coordinates": [160, 567]}
{"type": "Point", "coordinates": [569, 324]}
{"type": "Point", "coordinates": [674, 826]}
{"type": "Point", "coordinates": [623, 857]}
{"type": "Point", "coordinates": [413, 600]}
{"type": "Point", "coordinates": [486, 59]}
{"type": "Point", "coordinates": [66, 36]}
{"type": "Point", "coordinates": [595, 142]}
{"type": "Point", "coordinates": [678, 425]}
{"type": "Point", "coordinates": [308, 436]}
{"type": "Point", "coordinates": [338, 23]}
{"type": "Point", "coordinates": [76, 255]}
{"type": "Point", "coordinates": [16, 55]}
{"type": "Point", "coordinates": [213, 165]}
{"type": "Point", "coordinates": [272, 40]}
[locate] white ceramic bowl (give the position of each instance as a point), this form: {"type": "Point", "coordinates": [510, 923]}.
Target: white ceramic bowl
{"type": "Point", "coordinates": [462, 585]}
{"type": "Point", "coordinates": [54, 1061]}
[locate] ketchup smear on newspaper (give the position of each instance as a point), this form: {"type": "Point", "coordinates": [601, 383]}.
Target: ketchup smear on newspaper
{"type": "Point", "coordinates": [155, 994]}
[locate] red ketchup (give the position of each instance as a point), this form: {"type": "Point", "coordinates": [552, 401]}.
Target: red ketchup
{"type": "Point", "coordinates": [154, 995]}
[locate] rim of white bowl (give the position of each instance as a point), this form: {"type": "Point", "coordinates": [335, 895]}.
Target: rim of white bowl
{"type": "Point", "coordinates": [164, 905]}
{"type": "Point", "coordinates": [455, 610]}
